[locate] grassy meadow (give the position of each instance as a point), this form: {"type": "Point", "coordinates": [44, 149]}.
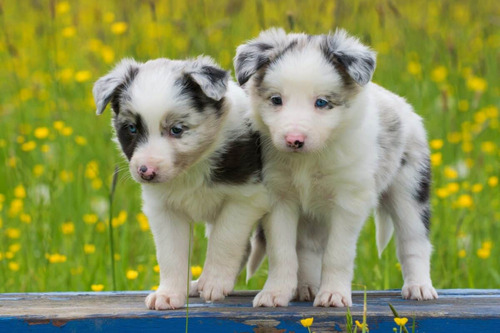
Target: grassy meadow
{"type": "Point", "coordinates": [57, 157]}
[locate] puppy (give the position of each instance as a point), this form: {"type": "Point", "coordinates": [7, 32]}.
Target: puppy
{"type": "Point", "coordinates": [181, 125]}
{"type": "Point", "coordinates": [335, 147]}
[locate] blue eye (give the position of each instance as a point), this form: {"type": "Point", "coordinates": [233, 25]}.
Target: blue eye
{"type": "Point", "coordinates": [132, 129]}
{"type": "Point", "coordinates": [176, 131]}
{"type": "Point", "coordinates": [320, 103]}
{"type": "Point", "coordinates": [276, 100]}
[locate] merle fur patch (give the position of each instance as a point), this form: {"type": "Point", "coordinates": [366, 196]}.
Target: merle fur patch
{"type": "Point", "coordinates": [128, 140]}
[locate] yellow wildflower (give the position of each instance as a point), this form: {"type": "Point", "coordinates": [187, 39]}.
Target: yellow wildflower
{"type": "Point", "coordinates": [92, 170]}
{"type": "Point", "coordinates": [14, 266]}
{"type": "Point", "coordinates": [467, 147]}
{"type": "Point", "coordinates": [361, 325]}
{"type": "Point", "coordinates": [20, 192]}
{"type": "Point", "coordinates": [89, 248]}
{"type": "Point", "coordinates": [108, 54]}
{"type": "Point", "coordinates": [453, 187]}
{"type": "Point", "coordinates": [97, 287]}
{"type": "Point", "coordinates": [28, 146]}
{"type": "Point", "coordinates": [82, 76]}
{"type": "Point", "coordinates": [493, 181]}
{"type": "Point", "coordinates": [108, 17]}
{"type": "Point", "coordinates": [66, 176]}
{"type": "Point", "coordinates": [38, 170]}
{"type": "Point", "coordinates": [68, 228]}
{"type": "Point", "coordinates": [96, 183]}
{"type": "Point", "coordinates": [68, 32]}
{"type": "Point", "coordinates": [154, 288]}
{"type": "Point", "coordinates": [132, 275]}
{"type": "Point", "coordinates": [13, 233]}
{"type": "Point", "coordinates": [400, 321]}
{"type": "Point", "coordinates": [25, 218]}
{"type": "Point", "coordinates": [307, 322]}
{"type": "Point", "coordinates": [436, 144]}
{"type": "Point", "coordinates": [450, 173]}
{"type": "Point", "coordinates": [491, 111]}
{"type": "Point", "coordinates": [477, 84]}
{"type": "Point", "coordinates": [76, 271]}
{"type": "Point", "coordinates": [16, 206]}
{"type": "Point", "coordinates": [156, 268]}
{"type": "Point", "coordinates": [442, 192]}
{"type": "Point", "coordinates": [119, 28]}
{"type": "Point", "coordinates": [436, 159]}
{"type": "Point", "coordinates": [45, 148]}
{"type": "Point", "coordinates": [90, 218]}
{"type": "Point", "coordinates": [196, 271]}
{"type": "Point", "coordinates": [414, 68]}
{"type": "Point", "coordinates": [80, 140]}
{"type": "Point", "coordinates": [41, 133]}
{"type": "Point", "coordinates": [476, 188]}
{"type": "Point", "coordinates": [143, 221]}
{"type": "Point", "coordinates": [15, 247]}
{"type": "Point", "coordinates": [62, 7]}
{"type": "Point", "coordinates": [462, 253]}
{"type": "Point", "coordinates": [439, 74]}
{"type": "Point", "coordinates": [58, 125]}
{"type": "Point", "coordinates": [56, 258]}
{"type": "Point", "coordinates": [120, 219]}
{"type": "Point", "coordinates": [483, 253]}
{"type": "Point", "coordinates": [463, 105]}
{"type": "Point", "coordinates": [488, 147]}
{"type": "Point", "coordinates": [100, 227]}
{"type": "Point", "coordinates": [67, 131]}
{"type": "Point", "coordinates": [464, 201]}
{"type": "Point", "coordinates": [454, 137]}
{"type": "Point", "coordinates": [487, 245]}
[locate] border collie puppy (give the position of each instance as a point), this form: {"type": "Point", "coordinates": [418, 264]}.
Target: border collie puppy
{"type": "Point", "coordinates": [182, 125]}
{"type": "Point", "coordinates": [335, 148]}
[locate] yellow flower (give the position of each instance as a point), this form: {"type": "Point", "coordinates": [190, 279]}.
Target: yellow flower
{"type": "Point", "coordinates": [58, 125]}
{"type": "Point", "coordinates": [467, 147]}
{"type": "Point", "coordinates": [442, 192]}
{"type": "Point", "coordinates": [414, 68]}
{"type": "Point", "coordinates": [463, 105]}
{"type": "Point", "coordinates": [28, 146]}
{"type": "Point", "coordinates": [56, 258]}
{"type": "Point", "coordinates": [82, 76]}
{"type": "Point", "coordinates": [97, 287]}
{"type": "Point", "coordinates": [450, 173]}
{"type": "Point", "coordinates": [89, 248]}
{"type": "Point", "coordinates": [92, 170]}
{"type": "Point", "coordinates": [119, 28]}
{"type": "Point", "coordinates": [488, 147]}
{"type": "Point", "coordinates": [96, 183]}
{"type": "Point", "coordinates": [120, 219]}
{"type": "Point", "coordinates": [76, 271]}
{"type": "Point", "coordinates": [196, 271]}
{"type": "Point", "coordinates": [14, 266]}
{"type": "Point", "coordinates": [90, 218]}
{"type": "Point", "coordinates": [100, 227]}
{"type": "Point", "coordinates": [476, 188]}
{"type": "Point", "coordinates": [45, 148]}
{"type": "Point", "coordinates": [68, 228]}
{"type": "Point", "coordinates": [20, 192]}
{"type": "Point", "coordinates": [464, 201]}
{"type": "Point", "coordinates": [154, 288]}
{"type": "Point", "coordinates": [361, 325]}
{"type": "Point", "coordinates": [16, 206]}
{"type": "Point", "coordinates": [67, 131]}
{"type": "Point", "coordinates": [400, 321]}
{"type": "Point", "coordinates": [453, 187]}
{"type": "Point", "coordinates": [483, 253]}
{"type": "Point", "coordinates": [25, 218]}
{"type": "Point", "coordinates": [143, 221]}
{"type": "Point", "coordinates": [108, 54]}
{"type": "Point", "coordinates": [462, 253]}
{"type": "Point", "coordinates": [62, 7]}
{"type": "Point", "coordinates": [80, 140]}
{"type": "Point", "coordinates": [38, 170]}
{"type": "Point", "coordinates": [307, 322]}
{"type": "Point", "coordinates": [156, 268]}
{"type": "Point", "coordinates": [454, 137]}
{"type": "Point", "coordinates": [491, 111]}
{"type": "Point", "coordinates": [439, 74]}
{"type": "Point", "coordinates": [493, 181]}
{"type": "Point", "coordinates": [69, 32]}
{"type": "Point", "coordinates": [66, 176]}
{"type": "Point", "coordinates": [15, 247]}
{"type": "Point", "coordinates": [41, 133]}
{"type": "Point", "coordinates": [436, 159]}
{"type": "Point", "coordinates": [132, 275]}
{"type": "Point", "coordinates": [108, 17]}
{"type": "Point", "coordinates": [477, 84]}
{"type": "Point", "coordinates": [487, 245]}
{"type": "Point", "coordinates": [436, 144]}
{"type": "Point", "coordinates": [13, 233]}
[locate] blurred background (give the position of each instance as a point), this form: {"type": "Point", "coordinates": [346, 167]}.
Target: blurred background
{"type": "Point", "coordinates": [57, 157]}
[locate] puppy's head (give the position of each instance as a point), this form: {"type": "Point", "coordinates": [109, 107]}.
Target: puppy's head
{"type": "Point", "coordinates": [167, 114]}
{"type": "Point", "coordinates": [303, 87]}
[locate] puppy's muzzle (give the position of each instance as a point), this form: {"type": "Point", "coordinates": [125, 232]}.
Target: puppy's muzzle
{"type": "Point", "coordinates": [147, 172]}
{"type": "Point", "coordinates": [295, 140]}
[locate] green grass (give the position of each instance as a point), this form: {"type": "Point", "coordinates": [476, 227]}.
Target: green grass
{"type": "Point", "coordinates": [57, 157]}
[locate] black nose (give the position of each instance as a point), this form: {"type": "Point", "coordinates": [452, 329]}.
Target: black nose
{"type": "Point", "coordinates": [143, 168]}
{"type": "Point", "coordinates": [297, 144]}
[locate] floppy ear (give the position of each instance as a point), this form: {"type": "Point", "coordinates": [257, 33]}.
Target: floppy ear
{"type": "Point", "coordinates": [253, 55]}
{"type": "Point", "coordinates": [211, 79]}
{"type": "Point", "coordinates": [357, 59]}
{"type": "Point", "coordinates": [114, 82]}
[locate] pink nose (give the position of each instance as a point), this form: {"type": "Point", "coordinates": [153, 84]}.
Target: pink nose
{"type": "Point", "coordinates": [295, 140]}
{"type": "Point", "coordinates": [147, 172]}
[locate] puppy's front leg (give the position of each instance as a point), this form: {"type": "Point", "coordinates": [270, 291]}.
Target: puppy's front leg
{"type": "Point", "coordinates": [280, 228]}
{"type": "Point", "coordinates": [171, 234]}
{"type": "Point", "coordinates": [338, 259]}
{"type": "Point", "coordinates": [228, 240]}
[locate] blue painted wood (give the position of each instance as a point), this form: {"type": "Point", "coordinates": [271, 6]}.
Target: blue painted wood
{"type": "Point", "coordinates": [456, 311]}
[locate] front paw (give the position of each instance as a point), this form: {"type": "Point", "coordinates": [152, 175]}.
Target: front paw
{"type": "Point", "coordinates": [165, 300]}
{"type": "Point", "coordinates": [333, 298]}
{"type": "Point", "coordinates": [420, 292]}
{"type": "Point", "coordinates": [306, 292]}
{"type": "Point", "coordinates": [273, 298]}
{"type": "Point", "coordinates": [193, 289]}
{"type": "Point", "coordinates": [214, 288]}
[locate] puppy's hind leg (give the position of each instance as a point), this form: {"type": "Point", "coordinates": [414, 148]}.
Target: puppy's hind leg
{"type": "Point", "coordinates": [408, 201]}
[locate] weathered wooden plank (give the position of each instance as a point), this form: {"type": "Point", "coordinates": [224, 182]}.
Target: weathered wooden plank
{"type": "Point", "coordinates": [455, 310]}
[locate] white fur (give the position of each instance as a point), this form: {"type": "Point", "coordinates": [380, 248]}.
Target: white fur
{"type": "Point", "coordinates": [322, 194]}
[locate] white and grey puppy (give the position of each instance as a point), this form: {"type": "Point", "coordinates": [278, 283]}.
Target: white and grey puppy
{"type": "Point", "coordinates": [182, 126]}
{"type": "Point", "coordinates": [335, 147]}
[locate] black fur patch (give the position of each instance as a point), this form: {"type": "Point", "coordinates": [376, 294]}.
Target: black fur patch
{"type": "Point", "coordinates": [199, 100]}
{"type": "Point", "coordinates": [424, 183]}
{"type": "Point", "coordinates": [240, 162]}
{"type": "Point", "coordinates": [425, 215]}
{"type": "Point", "coordinates": [129, 141]}
{"type": "Point", "coordinates": [120, 89]}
